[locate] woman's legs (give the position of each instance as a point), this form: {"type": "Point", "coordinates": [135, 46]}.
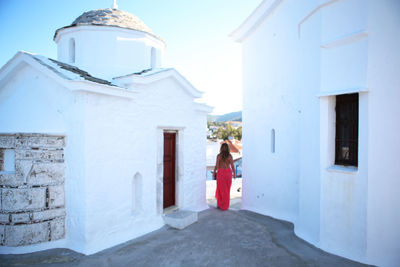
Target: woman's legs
{"type": "Point", "coordinates": [224, 182]}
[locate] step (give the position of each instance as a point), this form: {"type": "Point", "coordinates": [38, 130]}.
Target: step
{"type": "Point", "coordinates": [180, 219]}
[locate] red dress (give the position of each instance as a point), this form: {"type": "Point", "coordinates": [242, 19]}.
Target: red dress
{"type": "Point", "coordinates": [224, 182]}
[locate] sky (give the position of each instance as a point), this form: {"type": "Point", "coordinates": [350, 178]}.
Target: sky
{"type": "Point", "coordinates": [196, 33]}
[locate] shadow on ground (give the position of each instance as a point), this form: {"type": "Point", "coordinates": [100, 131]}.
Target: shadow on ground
{"type": "Point", "coordinates": [220, 238]}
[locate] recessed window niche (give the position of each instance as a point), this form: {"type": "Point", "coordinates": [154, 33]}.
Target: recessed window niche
{"type": "Point", "coordinates": [7, 160]}
{"type": "Point", "coordinates": [72, 50]}
{"type": "Point", "coordinates": [273, 141]}
{"type": "Point", "coordinates": [153, 58]}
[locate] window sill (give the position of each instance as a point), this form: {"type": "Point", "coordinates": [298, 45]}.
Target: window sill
{"type": "Point", "coordinates": [343, 169]}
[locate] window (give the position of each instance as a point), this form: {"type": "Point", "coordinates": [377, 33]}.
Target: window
{"type": "Point", "coordinates": [72, 50]}
{"type": "Point", "coordinates": [346, 141]}
{"type": "Point", "coordinates": [273, 141]}
{"type": "Point", "coordinates": [153, 58]}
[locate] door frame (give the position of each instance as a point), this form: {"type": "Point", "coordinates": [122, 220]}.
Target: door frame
{"type": "Point", "coordinates": [178, 166]}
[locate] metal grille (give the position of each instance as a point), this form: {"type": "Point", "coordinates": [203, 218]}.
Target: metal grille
{"type": "Point", "coordinates": [346, 141]}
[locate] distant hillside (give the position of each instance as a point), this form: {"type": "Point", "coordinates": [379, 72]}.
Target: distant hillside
{"type": "Point", "coordinates": [233, 116]}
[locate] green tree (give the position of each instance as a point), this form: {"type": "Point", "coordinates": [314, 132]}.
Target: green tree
{"type": "Point", "coordinates": [238, 133]}
{"type": "Point", "coordinates": [222, 133]}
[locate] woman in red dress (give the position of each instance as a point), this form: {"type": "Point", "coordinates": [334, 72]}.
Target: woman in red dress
{"type": "Point", "coordinates": [223, 173]}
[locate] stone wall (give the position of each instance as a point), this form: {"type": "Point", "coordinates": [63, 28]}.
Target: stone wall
{"type": "Point", "coordinates": [32, 174]}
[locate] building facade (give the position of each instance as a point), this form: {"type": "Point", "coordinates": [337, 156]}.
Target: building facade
{"type": "Point", "coordinates": [96, 144]}
{"type": "Point", "coordinates": [320, 93]}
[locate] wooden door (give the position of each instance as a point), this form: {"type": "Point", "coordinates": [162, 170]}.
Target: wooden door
{"type": "Point", "coordinates": [169, 169]}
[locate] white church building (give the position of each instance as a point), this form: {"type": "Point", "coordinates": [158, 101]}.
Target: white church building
{"type": "Point", "coordinates": [95, 145]}
{"type": "Point", "coordinates": [321, 91]}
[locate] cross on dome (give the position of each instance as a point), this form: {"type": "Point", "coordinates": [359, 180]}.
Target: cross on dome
{"type": "Point", "coordinates": [114, 6]}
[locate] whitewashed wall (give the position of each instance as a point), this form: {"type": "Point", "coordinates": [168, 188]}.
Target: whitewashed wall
{"type": "Point", "coordinates": [343, 68]}
{"type": "Point", "coordinates": [113, 151]}
{"type": "Point", "coordinates": [108, 52]}
{"type": "Point", "coordinates": [124, 138]}
{"type": "Point", "coordinates": [383, 203]}
{"type": "Point", "coordinates": [294, 64]}
{"type": "Point", "coordinates": [33, 103]}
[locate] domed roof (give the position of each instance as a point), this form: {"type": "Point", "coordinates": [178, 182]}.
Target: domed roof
{"type": "Point", "coordinates": [110, 17]}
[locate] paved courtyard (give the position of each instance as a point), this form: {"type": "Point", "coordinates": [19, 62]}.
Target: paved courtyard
{"type": "Point", "coordinates": [219, 238]}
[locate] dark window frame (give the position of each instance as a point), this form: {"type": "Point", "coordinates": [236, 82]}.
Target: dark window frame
{"type": "Point", "coordinates": [346, 133]}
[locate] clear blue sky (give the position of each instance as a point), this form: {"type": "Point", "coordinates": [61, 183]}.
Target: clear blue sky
{"type": "Point", "coordinates": [195, 31]}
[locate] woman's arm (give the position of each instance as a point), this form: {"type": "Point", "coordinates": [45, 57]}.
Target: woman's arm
{"type": "Point", "coordinates": [215, 168]}
{"type": "Point", "coordinates": [233, 168]}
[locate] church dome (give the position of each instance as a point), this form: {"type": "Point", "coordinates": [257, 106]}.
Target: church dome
{"type": "Point", "coordinates": [110, 17]}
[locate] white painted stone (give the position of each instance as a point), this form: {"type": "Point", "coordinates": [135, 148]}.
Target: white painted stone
{"type": "Point", "coordinates": [11, 179]}
{"type": "Point", "coordinates": [7, 141]}
{"type": "Point", "coordinates": [22, 168]}
{"type": "Point", "coordinates": [57, 229]}
{"type": "Point", "coordinates": [2, 229]}
{"type": "Point", "coordinates": [45, 141]}
{"type": "Point", "coordinates": [180, 219]}
{"type": "Point", "coordinates": [20, 217]}
{"type": "Point", "coordinates": [23, 199]}
{"type": "Point", "coordinates": [39, 155]}
{"type": "Point", "coordinates": [25, 234]}
{"type": "Point", "coordinates": [56, 196]}
{"type": "Point", "coordinates": [22, 142]}
{"type": "Point", "coordinates": [4, 218]}
{"type": "Point", "coordinates": [46, 173]}
{"type": "Point", "coordinates": [47, 214]}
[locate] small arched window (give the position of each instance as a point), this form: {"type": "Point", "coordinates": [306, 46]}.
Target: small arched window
{"type": "Point", "coordinates": [273, 141]}
{"type": "Point", "coordinates": [71, 50]}
{"type": "Point", "coordinates": [153, 58]}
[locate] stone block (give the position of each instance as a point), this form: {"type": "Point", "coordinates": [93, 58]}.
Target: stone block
{"type": "Point", "coordinates": [7, 141]}
{"type": "Point", "coordinates": [47, 214]}
{"type": "Point", "coordinates": [47, 141]}
{"type": "Point", "coordinates": [57, 229]}
{"type": "Point", "coordinates": [4, 218]}
{"type": "Point", "coordinates": [17, 199]}
{"type": "Point", "coordinates": [11, 179]}
{"type": "Point", "coordinates": [2, 229]}
{"type": "Point", "coordinates": [39, 141]}
{"type": "Point", "coordinates": [56, 196]}
{"type": "Point", "coordinates": [20, 217]}
{"type": "Point", "coordinates": [46, 173]}
{"type": "Point", "coordinates": [180, 219]}
{"type": "Point", "coordinates": [22, 168]}
{"type": "Point", "coordinates": [2, 159]}
{"type": "Point", "coordinates": [26, 234]}
{"type": "Point", "coordinates": [21, 141]}
{"type": "Point", "coordinates": [39, 154]}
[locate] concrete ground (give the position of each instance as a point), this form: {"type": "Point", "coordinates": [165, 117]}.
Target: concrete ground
{"type": "Point", "coordinates": [219, 238]}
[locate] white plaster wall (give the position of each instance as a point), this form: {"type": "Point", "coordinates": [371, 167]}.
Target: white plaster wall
{"type": "Point", "coordinates": [343, 191]}
{"type": "Point", "coordinates": [123, 137]}
{"type": "Point", "coordinates": [270, 101]}
{"type": "Point", "coordinates": [339, 47]}
{"type": "Point", "coordinates": [27, 104]}
{"type": "Point", "coordinates": [30, 102]}
{"type": "Point", "coordinates": [308, 82]}
{"type": "Point", "coordinates": [108, 52]}
{"type": "Point", "coordinates": [383, 214]}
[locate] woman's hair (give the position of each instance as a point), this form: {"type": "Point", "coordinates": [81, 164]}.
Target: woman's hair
{"type": "Point", "coordinates": [224, 151]}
